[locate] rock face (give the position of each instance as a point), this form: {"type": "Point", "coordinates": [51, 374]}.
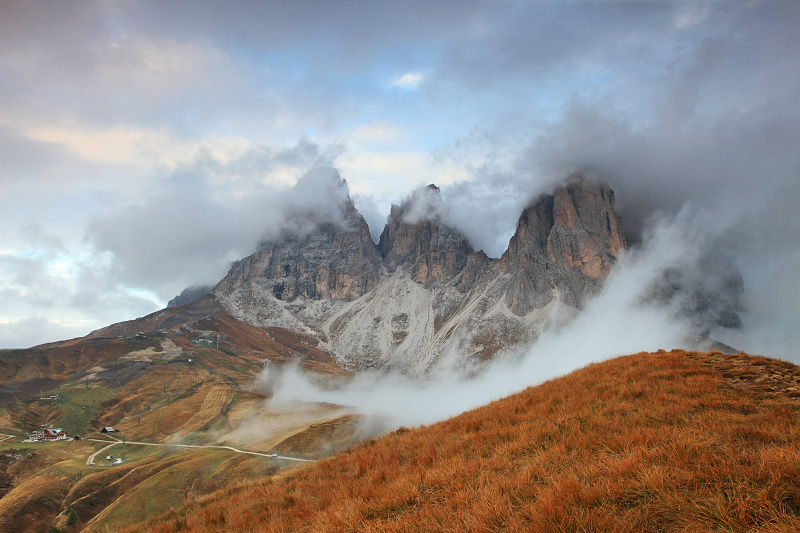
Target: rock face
{"type": "Point", "coordinates": [423, 290]}
{"type": "Point", "coordinates": [190, 294]}
{"type": "Point", "coordinates": [427, 248]}
{"type": "Point", "coordinates": [337, 260]}
{"type": "Point", "coordinates": [706, 303]}
{"type": "Point", "coordinates": [564, 247]}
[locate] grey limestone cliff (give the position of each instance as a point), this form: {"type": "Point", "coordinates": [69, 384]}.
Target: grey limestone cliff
{"type": "Point", "coordinates": [336, 260]}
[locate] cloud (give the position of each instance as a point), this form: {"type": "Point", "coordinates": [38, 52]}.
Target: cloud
{"type": "Point", "coordinates": [410, 80]}
{"type": "Point", "coordinates": [487, 210]}
{"type": "Point", "coordinates": [29, 332]}
{"type": "Point", "coordinates": [423, 204]}
{"type": "Point", "coordinates": [130, 146]}
{"type": "Point", "coordinates": [52, 291]}
{"type": "Point", "coordinates": [210, 213]}
{"type": "Point", "coordinates": [373, 214]}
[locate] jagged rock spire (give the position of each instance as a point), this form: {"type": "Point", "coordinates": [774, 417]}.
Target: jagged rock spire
{"type": "Point", "coordinates": [333, 258]}
{"type": "Point", "coordinates": [415, 239]}
{"type": "Point", "coordinates": [564, 246]}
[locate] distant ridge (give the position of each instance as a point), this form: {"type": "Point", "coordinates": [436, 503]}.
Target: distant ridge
{"type": "Point", "coordinates": [190, 294]}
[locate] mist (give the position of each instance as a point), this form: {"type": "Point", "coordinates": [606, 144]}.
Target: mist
{"type": "Point", "coordinates": [152, 146]}
{"type": "Point", "coordinates": [208, 215]}
{"type": "Point", "coordinates": [617, 321]}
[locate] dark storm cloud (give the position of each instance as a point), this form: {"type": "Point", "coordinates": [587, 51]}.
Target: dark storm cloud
{"type": "Point", "coordinates": [537, 42]}
{"type": "Point", "coordinates": [709, 114]}
{"type": "Point", "coordinates": [742, 162]}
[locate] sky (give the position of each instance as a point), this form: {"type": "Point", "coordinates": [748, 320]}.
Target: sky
{"type": "Point", "coordinates": [146, 145]}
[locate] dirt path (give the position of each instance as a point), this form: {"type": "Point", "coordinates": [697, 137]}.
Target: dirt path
{"type": "Point", "coordinates": [6, 437]}
{"type": "Point", "coordinates": [90, 460]}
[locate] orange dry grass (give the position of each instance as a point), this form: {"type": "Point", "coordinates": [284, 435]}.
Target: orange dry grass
{"type": "Point", "coordinates": [27, 508]}
{"type": "Point", "coordinates": [650, 442]}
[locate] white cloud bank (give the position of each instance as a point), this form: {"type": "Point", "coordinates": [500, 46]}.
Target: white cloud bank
{"type": "Point", "coordinates": [614, 323]}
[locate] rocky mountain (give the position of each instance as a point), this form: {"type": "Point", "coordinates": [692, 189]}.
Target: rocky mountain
{"type": "Point", "coordinates": [423, 290]}
{"type": "Point", "coordinates": [335, 261]}
{"type": "Point", "coordinates": [565, 245]}
{"type": "Point", "coordinates": [416, 240]}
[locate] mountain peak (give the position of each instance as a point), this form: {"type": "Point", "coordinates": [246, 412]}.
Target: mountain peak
{"type": "Point", "coordinates": [322, 250]}
{"type": "Point", "coordinates": [565, 244]}
{"type": "Point", "coordinates": [424, 203]}
{"type": "Point", "coordinates": [416, 239]}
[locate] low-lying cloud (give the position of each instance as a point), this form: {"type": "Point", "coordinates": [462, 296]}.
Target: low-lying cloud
{"type": "Point", "coordinates": [210, 213]}
{"type": "Point", "coordinates": [618, 321]}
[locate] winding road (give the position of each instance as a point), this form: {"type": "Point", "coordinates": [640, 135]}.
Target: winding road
{"type": "Point", "coordinates": [90, 460]}
{"type": "Point", "coordinates": [6, 437]}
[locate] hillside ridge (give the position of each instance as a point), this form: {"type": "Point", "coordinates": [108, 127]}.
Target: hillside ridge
{"type": "Point", "coordinates": [668, 441]}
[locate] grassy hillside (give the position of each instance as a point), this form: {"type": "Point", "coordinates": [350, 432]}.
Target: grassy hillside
{"type": "Point", "coordinates": [54, 488]}
{"type": "Point", "coordinates": [650, 442]}
{"type": "Point", "coordinates": [188, 384]}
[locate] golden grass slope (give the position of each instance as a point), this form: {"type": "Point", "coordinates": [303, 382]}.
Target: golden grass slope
{"type": "Point", "coordinates": [162, 388]}
{"type": "Point", "coordinates": [650, 442]}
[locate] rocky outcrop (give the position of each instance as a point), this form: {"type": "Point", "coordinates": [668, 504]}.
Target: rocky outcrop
{"type": "Point", "coordinates": [335, 260]}
{"type": "Point", "coordinates": [423, 291]}
{"type": "Point", "coordinates": [564, 246]}
{"type": "Point", "coordinates": [706, 302]}
{"type": "Point", "coordinates": [415, 239]}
